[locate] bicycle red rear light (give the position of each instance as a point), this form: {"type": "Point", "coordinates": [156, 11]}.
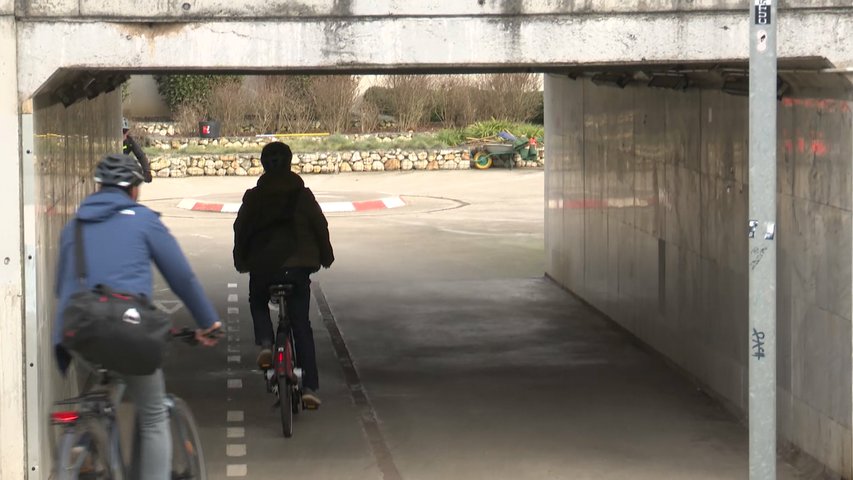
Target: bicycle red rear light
{"type": "Point", "coordinates": [280, 358]}
{"type": "Point", "coordinates": [64, 417]}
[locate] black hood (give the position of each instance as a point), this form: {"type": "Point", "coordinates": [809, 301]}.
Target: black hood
{"type": "Point", "coordinates": [272, 199]}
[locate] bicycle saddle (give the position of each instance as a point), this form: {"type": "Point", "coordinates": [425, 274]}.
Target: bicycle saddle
{"type": "Point", "coordinates": [284, 290]}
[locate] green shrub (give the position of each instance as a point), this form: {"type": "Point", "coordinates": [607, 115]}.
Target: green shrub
{"type": "Point", "coordinates": [380, 97]}
{"type": "Point", "coordinates": [488, 128]}
{"type": "Point", "coordinates": [372, 143]}
{"type": "Point", "coordinates": [190, 89]}
{"type": "Point", "coordinates": [528, 130]}
{"type": "Point", "coordinates": [451, 136]}
{"type": "Point", "coordinates": [424, 142]}
{"type": "Point", "coordinates": [336, 142]}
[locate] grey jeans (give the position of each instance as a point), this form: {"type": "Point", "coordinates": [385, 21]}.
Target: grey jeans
{"type": "Point", "coordinates": [152, 441]}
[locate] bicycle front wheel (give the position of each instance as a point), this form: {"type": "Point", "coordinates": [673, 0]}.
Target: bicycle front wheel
{"type": "Point", "coordinates": [285, 402]}
{"type": "Point", "coordinates": [187, 455]}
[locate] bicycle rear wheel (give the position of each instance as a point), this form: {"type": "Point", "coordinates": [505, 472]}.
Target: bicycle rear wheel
{"type": "Point", "coordinates": [187, 455]}
{"type": "Point", "coordinates": [81, 456]}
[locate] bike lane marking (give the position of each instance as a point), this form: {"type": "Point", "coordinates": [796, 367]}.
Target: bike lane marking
{"type": "Point", "coordinates": [369, 420]}
{"type": "Point", "coordinates": [240, 470]}
{"type": "Point", "coordinates": [234, 450]}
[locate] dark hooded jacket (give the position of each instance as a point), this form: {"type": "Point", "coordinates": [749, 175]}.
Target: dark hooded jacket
{"type": "Point", "coordinates": [280, 224]}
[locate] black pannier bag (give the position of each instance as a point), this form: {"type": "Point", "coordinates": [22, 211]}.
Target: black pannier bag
{"type": "Point", "coordinates": [117, 331]}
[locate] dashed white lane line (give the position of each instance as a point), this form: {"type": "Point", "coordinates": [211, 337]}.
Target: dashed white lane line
{"type": "Point", "coordinates": [235, 450]}
{"type": "Point", "coordinates": [236, 470]}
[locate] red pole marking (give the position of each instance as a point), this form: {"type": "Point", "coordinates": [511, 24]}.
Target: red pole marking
{"type": "Point", "coordinates": [368, 205]}
{"type": "Point", "coordinates": [207, 207]}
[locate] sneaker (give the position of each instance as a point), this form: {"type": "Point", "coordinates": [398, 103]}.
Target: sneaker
{"type": "Point", "coordinates": [310, 399]}
{"type": "Point", "coordinates": [265, 358]}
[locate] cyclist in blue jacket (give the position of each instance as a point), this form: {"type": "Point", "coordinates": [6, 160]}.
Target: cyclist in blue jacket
{"type": "Point", "coordinates": [121, 239]}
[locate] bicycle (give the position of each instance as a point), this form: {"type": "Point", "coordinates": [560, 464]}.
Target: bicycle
{"type": "Point", "coordinates": [284, 377]}
{"type": "Point", "coordinates": [90, 445]}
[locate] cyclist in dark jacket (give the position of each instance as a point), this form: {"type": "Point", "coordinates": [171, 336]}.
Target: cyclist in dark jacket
{"type": "Point", "coordinates": [130, 147]}
{"type": "Point", "coordinates": [282, 236]}
{"type": "Point", "coordinates": [121, 239]}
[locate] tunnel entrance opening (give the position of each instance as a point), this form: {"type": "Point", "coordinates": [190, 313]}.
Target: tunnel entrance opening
{"type": "Point", "coordinates": [626, 214]}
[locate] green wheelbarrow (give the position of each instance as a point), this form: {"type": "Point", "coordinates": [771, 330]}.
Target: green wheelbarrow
{"type": "Point", "coordinates": [488, 154]}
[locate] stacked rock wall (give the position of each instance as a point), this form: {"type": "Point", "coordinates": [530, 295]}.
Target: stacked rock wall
{"type": "Point", "coordinates": [183, 165]}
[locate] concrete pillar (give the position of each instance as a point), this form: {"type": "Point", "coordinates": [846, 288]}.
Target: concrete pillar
{"type": "Point", "coordinates": [12, 459]}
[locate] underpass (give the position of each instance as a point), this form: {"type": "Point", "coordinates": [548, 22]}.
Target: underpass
{"type": "Point", "coordinates": [645, 189]}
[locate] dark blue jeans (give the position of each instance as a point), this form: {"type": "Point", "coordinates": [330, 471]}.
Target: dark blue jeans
{"type": "Point", "coordinates": [298, 308]}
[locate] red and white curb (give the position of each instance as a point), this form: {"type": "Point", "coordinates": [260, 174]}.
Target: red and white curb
{"type": "Point", "coordinates": [327, 207]}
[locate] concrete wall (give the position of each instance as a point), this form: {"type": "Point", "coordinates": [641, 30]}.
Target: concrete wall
{"type": "Point", "coordinates": [11, 280]}
{"type": "Point", "coordinates": [68, 143]}
{"type": "Point", "coordinates": [646, 220]}
{"type": "Point", "coordinates": [356, 8]}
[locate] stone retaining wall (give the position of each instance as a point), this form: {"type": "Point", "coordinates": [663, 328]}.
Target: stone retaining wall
{"type": "Point", "coordinates": [179, 165]}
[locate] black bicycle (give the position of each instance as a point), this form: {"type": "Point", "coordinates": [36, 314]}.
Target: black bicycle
{"type": "Point", "coordinates": [284, 377]}
{"type": "Point", "coordinates": [89, 442]}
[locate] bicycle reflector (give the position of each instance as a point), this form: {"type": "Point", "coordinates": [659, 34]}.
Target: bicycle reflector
{"type": "Point", "coordinates": [280, 367]}
{"type": "Point", "coordinates": [64, 417]}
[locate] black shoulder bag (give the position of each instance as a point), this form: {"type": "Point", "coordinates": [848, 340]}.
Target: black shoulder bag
{"type": "Point", "coordinates": [117, 331]}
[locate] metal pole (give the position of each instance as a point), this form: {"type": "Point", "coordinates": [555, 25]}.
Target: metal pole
{"type": "Point", "coordinates": [762, 235]}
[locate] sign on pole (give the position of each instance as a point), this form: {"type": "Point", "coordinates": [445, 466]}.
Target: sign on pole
{"type": "Point", "coordinates": [762, 234]}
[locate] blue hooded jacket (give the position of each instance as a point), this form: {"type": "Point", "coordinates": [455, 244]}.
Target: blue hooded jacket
{"type": "Point", "coordinates": [121, 238]}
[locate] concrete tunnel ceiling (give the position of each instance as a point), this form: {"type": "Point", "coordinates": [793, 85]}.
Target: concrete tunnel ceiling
{"type": "Point", "coordinates": [801, 77]}
{"type": "Point", "coordinates": [488, 37]}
